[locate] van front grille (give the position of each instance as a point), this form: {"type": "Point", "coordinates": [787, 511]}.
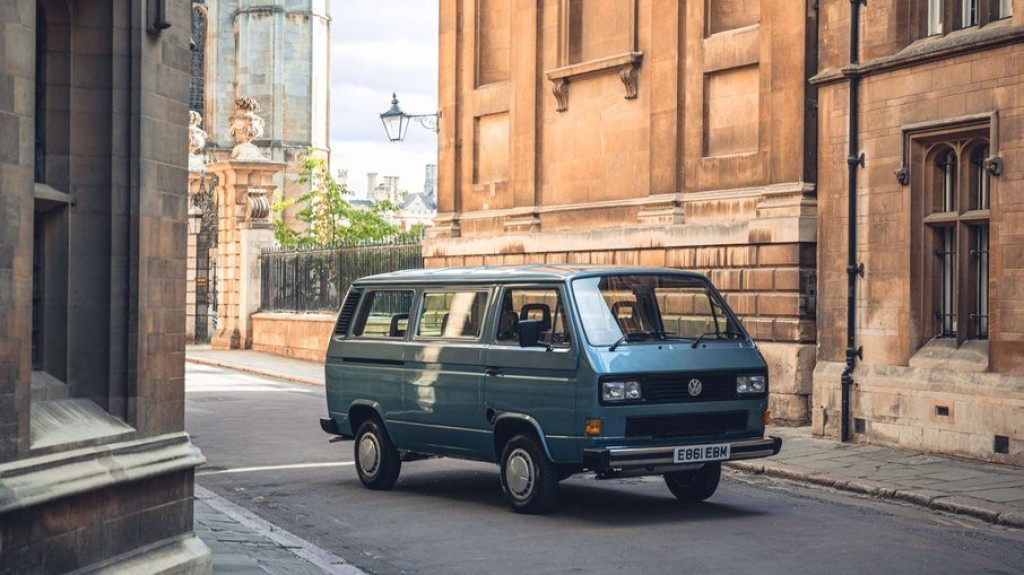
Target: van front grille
{"type": "Point", "coordinates": [674, 387]}
{"type": "Point", "coordinates": [689, 425]}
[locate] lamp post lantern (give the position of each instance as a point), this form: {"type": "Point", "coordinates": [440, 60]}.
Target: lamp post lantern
{"type": "Point", "coordinates": [195, 219]}
{"type": "Point", "coordinates": [396, 122]}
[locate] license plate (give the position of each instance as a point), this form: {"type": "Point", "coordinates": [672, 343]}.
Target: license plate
{"type": "Point", "coordinates": [698, 453]}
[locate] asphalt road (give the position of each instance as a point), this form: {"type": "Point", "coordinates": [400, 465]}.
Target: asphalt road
{"type": "Point", "coordinates": [266, 452]}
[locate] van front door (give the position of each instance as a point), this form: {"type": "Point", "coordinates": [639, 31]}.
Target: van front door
{"type": "Point", "coordinates": [538, 381]}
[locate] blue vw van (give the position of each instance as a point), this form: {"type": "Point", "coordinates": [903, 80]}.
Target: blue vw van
{"type": "Point", "coordinates": [547, 371]}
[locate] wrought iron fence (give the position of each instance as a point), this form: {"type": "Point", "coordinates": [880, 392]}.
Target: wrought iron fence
{"type": "Point", "coordinates": [315, 279]}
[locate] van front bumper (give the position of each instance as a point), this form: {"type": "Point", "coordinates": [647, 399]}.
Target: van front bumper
{"type": "Point", "coordinates": [655, 460]}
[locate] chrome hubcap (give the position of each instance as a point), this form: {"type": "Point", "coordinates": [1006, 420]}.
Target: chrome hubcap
{"type": "Point", "coordinates": [519, 474]}
{"type": "Point", "coordinates": [369, 454]}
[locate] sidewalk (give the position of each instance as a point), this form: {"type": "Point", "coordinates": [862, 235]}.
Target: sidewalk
{"type": "Point", "coordinates": [993, 493]}
{"type": "Point", "coordinates": [241, 542]}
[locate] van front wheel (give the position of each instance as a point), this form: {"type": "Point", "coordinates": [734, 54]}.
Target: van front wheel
{"type": "Point", "coordinates": [697, 485]}
{"type": "Point", "coordinates": [377, 460]}
{"type": "Point", "coordinates": [528, 479]}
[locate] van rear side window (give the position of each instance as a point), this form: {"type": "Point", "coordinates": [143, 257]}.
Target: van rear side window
{"type": "Point", "coordinates": [452, 314]}
{"type": "Point", "coordinates": [384, 314]}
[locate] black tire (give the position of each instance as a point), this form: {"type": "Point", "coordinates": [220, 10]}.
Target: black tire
{"type": "Point", "coordinates": [697, 485]}
{"type": "Point", "coordinates": [528, 480]}
{"type": "Point", "coordinates": [377, 460]}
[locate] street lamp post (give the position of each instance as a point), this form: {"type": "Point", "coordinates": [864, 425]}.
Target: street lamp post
{"type": "Point", "coordinates": [396, 122]}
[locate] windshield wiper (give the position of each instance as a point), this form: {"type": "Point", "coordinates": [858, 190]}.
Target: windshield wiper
{"type": "Point", "coordinates": [728, 334]}
{"type": "Point", "coordinates": [638, 336]}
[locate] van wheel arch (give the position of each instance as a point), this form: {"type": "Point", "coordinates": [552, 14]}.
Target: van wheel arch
{"type": "Point", "coordinates": [359, 414]}
{"type": "Point", "coordinates": [507, 427]}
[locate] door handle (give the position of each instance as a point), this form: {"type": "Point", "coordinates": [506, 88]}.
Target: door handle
{"type": "Point", "coordinates": [492, 371]}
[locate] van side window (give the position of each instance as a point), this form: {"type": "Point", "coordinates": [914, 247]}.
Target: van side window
{"type": "Point", "coordinates": [543, 305]}
{"type": "Point", "coordinates": [452, 314]}
{"type": "Point", "coordinates": [384, 314]}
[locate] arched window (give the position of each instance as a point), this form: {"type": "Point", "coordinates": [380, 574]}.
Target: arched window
{"type": "Point", "coordinates": [979, 177]}
{"type": "Point", "coordinates": [956, 217]}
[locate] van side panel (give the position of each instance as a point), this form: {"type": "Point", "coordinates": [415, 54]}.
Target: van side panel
{"type": "Point", "coordinates": [364, 370]}
{"type": "Point", "coordinates": [441, 412]}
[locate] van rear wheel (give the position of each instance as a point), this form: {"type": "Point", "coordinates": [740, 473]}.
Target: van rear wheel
{"type": "Point", "coordinates": [377, 461]}
{"type": "Point", "coordinates": [528, 479]}
{"type": "Point", "coordinates": [696, 485]}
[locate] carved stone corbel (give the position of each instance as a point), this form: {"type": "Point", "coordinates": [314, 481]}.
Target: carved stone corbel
{"type": "Point", "coordinates": [628, 75]}
{"type": "Point", "coordinates": [626, 65]}
{"type": "Point", "coordinates": [560, 88]}
{"type": "Point", "coordinates": [993, 165]}
{"type": "Point", "coordinates": [902, 174]}
{"type": "Point", "coordinates": [259, 207]}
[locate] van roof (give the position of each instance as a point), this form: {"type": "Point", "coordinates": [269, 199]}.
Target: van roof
{"type": "Point", "coordinates": [526, 272]}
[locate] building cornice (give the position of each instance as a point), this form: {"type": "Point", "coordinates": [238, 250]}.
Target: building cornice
{"type": "Point", "coordinates": [29, 482]}
{"type": "Point", "coordinates": [927, 50]}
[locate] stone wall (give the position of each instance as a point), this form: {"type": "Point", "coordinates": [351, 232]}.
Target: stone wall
{"type": "Point", "coordinates": [639, 133]}
{"type": "Point", "coordinates": [299, 335]}
{"type": "Point", "coordinates": [95, 468]}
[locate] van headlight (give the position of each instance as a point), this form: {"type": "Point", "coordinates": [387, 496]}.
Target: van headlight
{"type": "Point", "coordinates": [751, 384]}
{"type": "Point", "coordinates": [628, 390]}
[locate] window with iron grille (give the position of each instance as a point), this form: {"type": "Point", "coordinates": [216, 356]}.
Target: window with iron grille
{"type": "Point", "coordinates": [197, 85]}
{"type": "Point", "coordinates": [956, 218]}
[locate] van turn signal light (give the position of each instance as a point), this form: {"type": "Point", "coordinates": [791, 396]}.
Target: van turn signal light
{"type": "Point", "coordinates": [767, 417]}
{"type": "Point", "coordinates": [593, 427]}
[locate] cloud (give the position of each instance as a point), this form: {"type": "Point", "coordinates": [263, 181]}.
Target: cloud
{"type": "Point", "coordinates": [376, 51]}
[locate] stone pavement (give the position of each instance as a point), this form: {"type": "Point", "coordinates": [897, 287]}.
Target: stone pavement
{"type": "Point", "coordinates": [991, 492]}
{"type": "Point", "coordinates": [241, 542]}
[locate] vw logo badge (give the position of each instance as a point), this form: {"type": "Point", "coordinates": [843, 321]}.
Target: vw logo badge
{"type": "Point", "coordinates": [695, 387]}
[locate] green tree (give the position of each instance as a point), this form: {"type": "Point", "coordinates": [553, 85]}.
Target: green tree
{"type": "Point", "coordinates": [328, 216]}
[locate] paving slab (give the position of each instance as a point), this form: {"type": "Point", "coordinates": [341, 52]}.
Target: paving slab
{"type": "Point", "coordinates": [241, 542]}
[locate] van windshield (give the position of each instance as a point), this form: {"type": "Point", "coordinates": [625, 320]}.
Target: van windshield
{"type": "Point", "coordinates": [651, 307]}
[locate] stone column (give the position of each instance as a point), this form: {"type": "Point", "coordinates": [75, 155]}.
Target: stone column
{"type": "Point", "coordinates": [245, 184]}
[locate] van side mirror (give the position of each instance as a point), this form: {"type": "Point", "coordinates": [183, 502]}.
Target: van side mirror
{"type": "Point", "coordinates": [529, 333]}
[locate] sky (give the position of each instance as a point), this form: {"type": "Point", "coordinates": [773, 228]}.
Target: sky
{"type": "Point", "coordinates": [379, 47]}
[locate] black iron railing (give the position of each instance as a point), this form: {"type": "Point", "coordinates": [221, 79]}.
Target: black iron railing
{"type": "Point", "coordinates": [315, 279]}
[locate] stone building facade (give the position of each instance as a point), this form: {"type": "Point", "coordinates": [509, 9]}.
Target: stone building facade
{"type": "Point", "coordinates": [95, 468]}
{"type": "Point", "coordinates": [725, 136]}
{"type": "Point", "coordinates": [939, 311]}
{"type": "Point", "coordinates": [275, 51]}
{"type": "Point", "coordinates": [639, 132]}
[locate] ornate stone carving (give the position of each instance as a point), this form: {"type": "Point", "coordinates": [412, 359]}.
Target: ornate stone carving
{"type": "Point", "coordinates": [902, 174]}
{"type": "Point", "coordinates": [196, 135]}
{"type": "Point", "coordinates": [993, 165]}
{"type": "Point", "coordinates": [628, 75]}
{"type": "Point", "coordinates": [560, 88]}
{"type": "Point", "coordinates": [196, 141]}
{"type": "Point", "coordinates": [245, 126]}
{"type": "Point", "coordinates": [259, 207]}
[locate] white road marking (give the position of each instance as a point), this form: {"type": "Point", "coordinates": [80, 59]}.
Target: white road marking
{"type": "Point", "coordinates": [243, 388]}
{"type": "Point", "coordinates": [274, 467]}
{"type": "Point", "coordinates": [322, 558]}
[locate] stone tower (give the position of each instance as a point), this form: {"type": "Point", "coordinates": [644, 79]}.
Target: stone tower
{"type": "Point", "coordinates": [275, 51]}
